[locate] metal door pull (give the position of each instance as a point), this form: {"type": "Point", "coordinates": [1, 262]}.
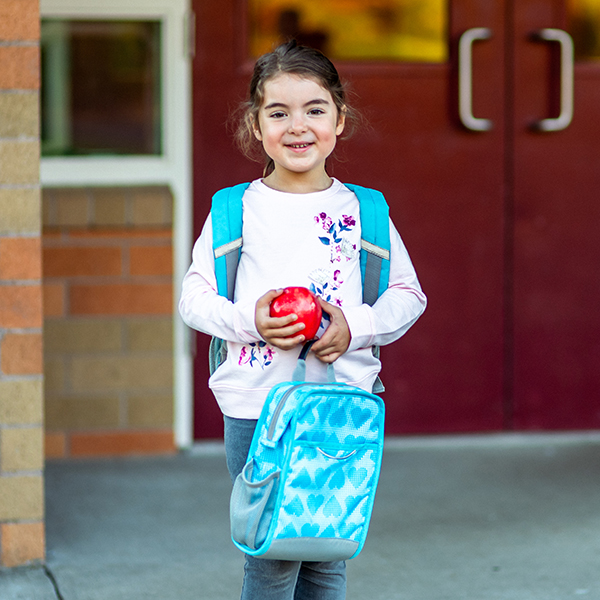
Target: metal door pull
{"type": "Point", "coordinates": [566, 80]}
{"type": "Point", "coordinates": [465, 79]}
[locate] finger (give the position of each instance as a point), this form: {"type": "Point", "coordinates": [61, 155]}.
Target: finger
{"type": "Point", "coordinates": [324, 303]}
{"type": "Point", "coordinates": [325, 306]}
{"type": "Point", "coordinates": [279, 322]}
{"type": "Point", "coordinates": [267, 298]}
{"type": "Point", "coordinates": [284, 338]}
{"type": "Point", "coordinates": [327, 340]}
{"type": "Point", "coordinates": [325, 351]}
{"type": "Point", "coordinates": [321, 345]}
{"type": "Point", "coordinates": [335, 343]}
{"type": "Point", "coordinates": [329, 358]}
{"type": "Point", "coordinates": [285, 331]}
{"type": "Point", "coordinates": [287, 343]}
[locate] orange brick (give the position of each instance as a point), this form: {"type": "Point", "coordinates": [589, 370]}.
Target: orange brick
{"type": "Point", "coordinates": [122, 442]}
{"type": "Point", "coordinates": [74, 262]}
{"type": "Point", "coordinates": [20, 258]}
{"type": "Point", "coordinates": [21, 354]}
{"type": "Point", "coordinates": [122, 299]}
{"type": "Point", "coordinates": [20, 306]}
{"type": "Point", "coordinates": [56, 445]}
{"type": "Point", "coordinates": [19, 20]}
{"type": "Point", "coordinates": [22, 543]}
{"type": "Point", "coordinates": [151, 260]}
{"type": "Point", "coordinates": [54, 299]}
{"type": "Point", "coordinates": [20, 68]}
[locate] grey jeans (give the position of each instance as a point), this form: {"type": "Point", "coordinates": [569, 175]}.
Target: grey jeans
{"type": "Point", "coordinates": [279, 579]}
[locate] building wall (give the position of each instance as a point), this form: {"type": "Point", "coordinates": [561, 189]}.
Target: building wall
{"type": "Point", "coordinates": [108, 320]}
{"type": "Point", "coordinates": [21, 386]}
{"type": "Point", "coordinates": [98, 335]}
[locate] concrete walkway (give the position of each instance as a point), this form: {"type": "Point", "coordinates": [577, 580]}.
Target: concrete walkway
{"type": "Point", "coordinates": [456, 518]}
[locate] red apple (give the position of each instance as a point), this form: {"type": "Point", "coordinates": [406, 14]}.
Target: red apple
{"type": "Point", "coordinates": [303, 303]}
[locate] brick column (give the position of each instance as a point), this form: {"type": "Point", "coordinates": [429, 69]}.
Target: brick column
{"type": "Point", "coordinates": [21, 390]}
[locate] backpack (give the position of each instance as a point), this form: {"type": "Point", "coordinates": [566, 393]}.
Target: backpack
{"type": "Point", "coordinates": [308, 486]}
{"type": "Point", "coordinates": [226, 215]}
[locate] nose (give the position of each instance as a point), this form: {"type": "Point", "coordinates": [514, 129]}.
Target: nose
{"type": "Point", "coordinates": [297, 124]}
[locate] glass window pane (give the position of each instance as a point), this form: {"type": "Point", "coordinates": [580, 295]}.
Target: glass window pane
{"type": "Point", "coordinates": [584, 23]}
{"type": "Point", "coordinates": [402, 30]}
{"type": "Point", "coordinates": [100, 87]}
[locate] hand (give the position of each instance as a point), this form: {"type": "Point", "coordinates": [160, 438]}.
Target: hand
{"type": "Point", "coordinates": [275, 330]}
{"type": "Point", "coordinates": [336, 339]}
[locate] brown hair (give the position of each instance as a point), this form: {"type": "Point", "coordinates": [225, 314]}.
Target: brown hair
{"type": "Point", "coordinates": [297, 60]}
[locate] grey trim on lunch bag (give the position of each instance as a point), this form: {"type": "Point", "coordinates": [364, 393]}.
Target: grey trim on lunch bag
{"type": "Point", "coordinates": [312, 549]}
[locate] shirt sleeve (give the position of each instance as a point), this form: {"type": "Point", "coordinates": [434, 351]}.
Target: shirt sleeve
{"type": "Point", "coordinates": [200, 305]}
{"type": "Point", "coordinates": [395, 310]}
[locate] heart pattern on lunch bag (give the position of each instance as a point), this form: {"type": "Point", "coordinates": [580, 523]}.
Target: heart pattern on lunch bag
{"type": "Point", "coordinates": [325, 449]}
{"type": "Point", "coordinates": [332, 494]}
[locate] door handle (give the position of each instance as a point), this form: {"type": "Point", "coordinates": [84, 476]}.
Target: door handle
{"type": "Point", "coordinates": [566, 80]}
{"type": "Point", "coordinates": [465, 79]}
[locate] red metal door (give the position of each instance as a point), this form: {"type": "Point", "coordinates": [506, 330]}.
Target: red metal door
{"type": "Point", "coordinates": [556, 232]}
{"type": "Point", "coordinates": [446, 189]}
{"type": "Point", "coordinates": [509, 266]}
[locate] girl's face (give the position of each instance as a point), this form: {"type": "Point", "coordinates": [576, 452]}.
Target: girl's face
{"type": "Point", "coordinates": [298, 125]}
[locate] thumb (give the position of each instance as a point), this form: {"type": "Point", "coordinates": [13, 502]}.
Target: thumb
{"type": "Point", "coordinates": [267, 298]}
{"type": "Point", "coordinates": [325, 305]}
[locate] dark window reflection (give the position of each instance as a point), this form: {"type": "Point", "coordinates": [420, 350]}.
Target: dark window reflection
{"type": "Point", "coordinates": [100, 87]}
{"type": "Point", "coordinates": [363, 30]}
{"type": "Point", "coordinates": [584, 26]}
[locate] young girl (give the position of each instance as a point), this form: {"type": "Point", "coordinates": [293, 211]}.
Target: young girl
{"type": "Point", "coordinates": [293, 221]}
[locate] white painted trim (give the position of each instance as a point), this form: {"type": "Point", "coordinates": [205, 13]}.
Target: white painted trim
{"type": "Point", "coordinates": [172, 169]}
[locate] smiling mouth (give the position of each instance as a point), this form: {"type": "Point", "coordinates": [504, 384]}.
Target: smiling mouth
{"type": "Point", "coordinates": [299, 146]}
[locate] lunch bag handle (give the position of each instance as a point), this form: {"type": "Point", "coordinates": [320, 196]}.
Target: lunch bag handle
{"type": "Point", "coordinates": [300, 370]}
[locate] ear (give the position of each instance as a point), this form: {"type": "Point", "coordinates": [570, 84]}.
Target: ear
{"type": "Point", "coordinates": [256, 130]}
{"type": "Point", "coordinates": [341, 121]}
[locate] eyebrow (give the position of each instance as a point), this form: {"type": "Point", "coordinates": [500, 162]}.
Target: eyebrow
{"type": "Point", "coordinates": [315, 102]}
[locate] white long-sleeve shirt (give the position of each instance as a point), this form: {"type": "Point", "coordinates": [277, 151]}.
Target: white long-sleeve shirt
{"type": "Point", "coordinates": [310, 240]}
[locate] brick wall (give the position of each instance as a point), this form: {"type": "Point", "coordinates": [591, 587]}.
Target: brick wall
{"type": "Point", "coordinates": [108, 321]}
{"type": "Point", "coordinates": [21, 389]}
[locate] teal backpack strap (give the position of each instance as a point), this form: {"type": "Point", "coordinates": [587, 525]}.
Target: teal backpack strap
{"type": "Point", "coordinates": [226, 215]}
{"type": "Point", "coordinates": [375, 242]}
{"type": "Point", "coordinates": [374, 251]}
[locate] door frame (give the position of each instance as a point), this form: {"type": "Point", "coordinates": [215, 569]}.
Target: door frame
{"type": "Point", "coordinates": [173, 168]}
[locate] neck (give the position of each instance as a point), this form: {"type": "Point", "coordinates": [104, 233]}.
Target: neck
{"type": "Point", "coordinates": [298, 183]}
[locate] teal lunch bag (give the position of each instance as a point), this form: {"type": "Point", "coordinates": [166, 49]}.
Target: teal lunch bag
{"type": "Point", "coordinates": [308, 486]}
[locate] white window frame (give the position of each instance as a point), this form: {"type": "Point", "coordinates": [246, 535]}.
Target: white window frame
{"type": "Point", "coordinates": [172, 167]}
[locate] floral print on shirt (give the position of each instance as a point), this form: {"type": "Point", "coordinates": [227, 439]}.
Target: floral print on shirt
{"type": "Point", "coordinates": [325, 282]}
{"type": "Point", "coordinates": [333, 233]}
{"type": "Point", "coordinates": [256, 354]}
{"type": "Point", "coordinates": [340, 246]}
